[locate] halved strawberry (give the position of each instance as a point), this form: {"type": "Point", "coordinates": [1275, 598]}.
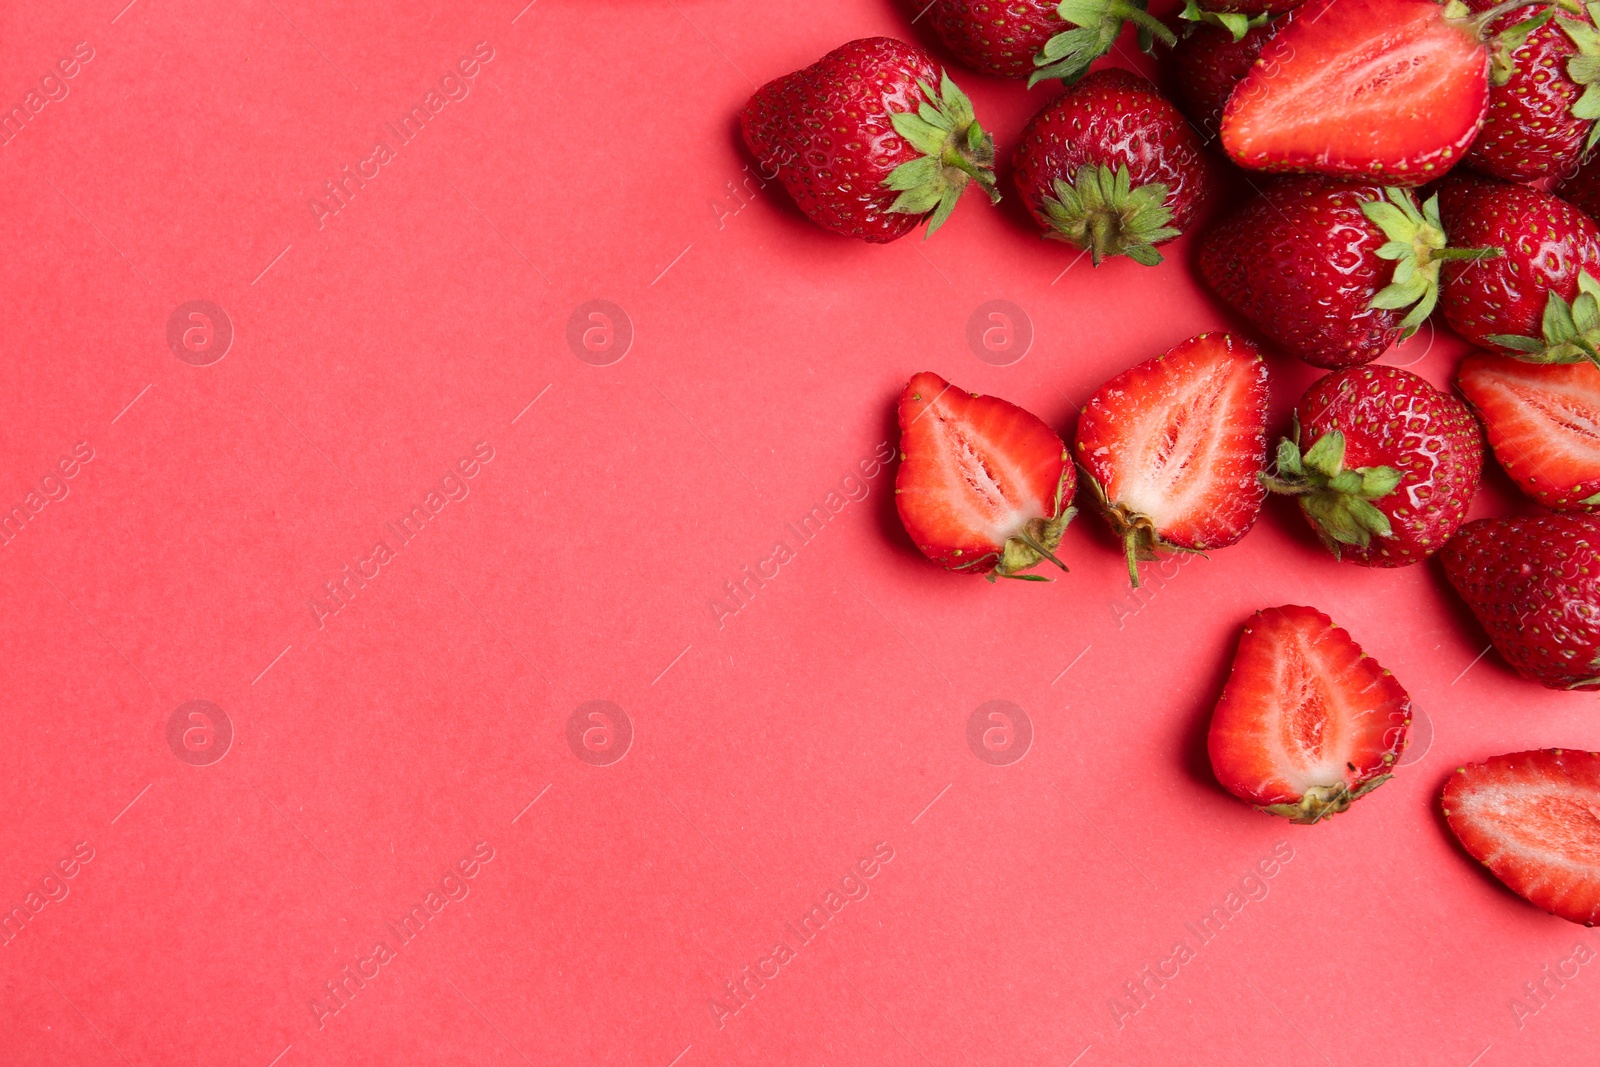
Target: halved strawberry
{"type": "Point", "coordinates": [984, 486]}
{"type": "Point", "coordinates": [1533, 819]}
{"type": "Point", "coordinates": [1375, 90]}
{"type": "Point", "coordinates": [1544, 425]}
{"type": "Point", "coordinates": [1308, 723]}
{"type": "Point", "coordinates": [1174, 448]}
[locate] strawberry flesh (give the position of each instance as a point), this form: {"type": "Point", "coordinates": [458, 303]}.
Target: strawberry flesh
{"type": "Point", "coordinates": [1386, 90]}
{"type": "Point", "coordinates": [1533, 819]}
{"type": "Point", "coordinates": [983, 484]}
{"type": "Point", "coordinates": [1307, 723]}
{"type": "Point", "coordinates": [1174, 447]}
{"type": "Point", "coordinates": [1544, 425]}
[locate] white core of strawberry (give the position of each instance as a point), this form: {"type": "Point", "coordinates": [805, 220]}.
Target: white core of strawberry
{"type": "Point", "coordinates": [1166, 469]}
{"type": "Point", "coordinates": [1315, 726]}
{"type": "Point", "coordinates": [1546, 825]}
{"type": "Point", "coordinates": [996, 504]}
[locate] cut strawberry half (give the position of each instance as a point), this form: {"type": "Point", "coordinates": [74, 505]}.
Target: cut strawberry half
{"type": "Point", "coordinates": [1307, 723]}
{"type": "Point", "coordinates": [1390, 90]}
{"type": "Point", "coordinates": [1533, 818]}
{"type": "Point", "coordinates": [984, 486]}
{"type": "Point", "coordinates": [1544, 425]}
{"type": "Point", "coordinates": [1174, 448]}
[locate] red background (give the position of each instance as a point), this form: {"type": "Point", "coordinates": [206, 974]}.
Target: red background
{"type": "Point", "coordinates": [595, 158]}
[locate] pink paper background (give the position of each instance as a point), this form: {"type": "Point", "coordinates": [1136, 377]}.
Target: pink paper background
{"type": "Point", "coordinates": [594, 158]}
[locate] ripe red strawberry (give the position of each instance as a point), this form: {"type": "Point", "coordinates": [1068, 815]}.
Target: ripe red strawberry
{"type": "Point", "coordinates": [1525, 301]}
{"type": "Point", "coordinates": [1308, 262]}
{"type": "Point", "coordinates": [1375, 90]}
{"type": "Point", "coordinates": [865, 145]}
{"type": "Point", "coordinates": [1175, 447]}
{"type": "Point", "coordinates": [1038, 38]}
{"type": "Point", "coordinates": [1308, 723]}
{"type": "Point", "coordinates": [1530, 818]}
{"type": "Point", "coordinates": [1111, 167]}
{"type": "Point", "coordinates": [1206, 65]}
{"type": "Point", "coordinates": [1534, 584]}
{"type": "Point", "coordinates": [1543, 423]}
{"type": "Point", "coordinates": [1390, 467]}
{"type": "Point", "coordinates": [984, 486]}
{"type": "Point", "coordinates": [1544, 61]}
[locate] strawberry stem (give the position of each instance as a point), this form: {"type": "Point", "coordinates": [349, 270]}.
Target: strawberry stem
{"type": "Point", "coordinates": [1465, 253]}
{"type": "Point", "coordinates": [1480, 23]}
{"type": "Point", "coordinates": [1130, 545]}
{"type": "Point", "coordinates": [1145, 21]}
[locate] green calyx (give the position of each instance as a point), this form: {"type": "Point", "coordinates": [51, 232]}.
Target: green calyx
{"type": "Point", "coordinates": [1235, 22]}
{"type": "Point", "coordinates": [1417, 246]}
{"type": "Point", "coordinates": [1095, 27]}
{"type": "Point", "coordinates": [1101, 211]}
{"type": "Point", "coordinates": [1571, 332]}
{"type": "Point", "coordinates": [955, 150]}
{"type": "Point", "coordinates": [1035, 542]}
{"type": "Point", "coordinates": [1337, 501]}
{"type": "Point", "coordinates": [1584, 67]}
{"type": "Point", "coordinates": [1137, 532]}
{"type": "Point", "coordinates": [1320, 801]}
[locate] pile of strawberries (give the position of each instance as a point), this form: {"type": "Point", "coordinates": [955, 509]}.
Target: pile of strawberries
{"type": "Point", "coordinates": [1433, 158]}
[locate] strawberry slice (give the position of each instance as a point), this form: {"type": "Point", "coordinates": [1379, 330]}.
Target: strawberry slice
{"type": "Point", "coordinates": [984, 486]}
{"type": "Point", "coordinates": [1533, 818]}
{"type": "Point", "coordinates": [1544, 425]}
{"type": "Point", "coordinates": [1174, 448]}
{"type": "Point", "coordinates": [1308, 723]}
{"type": "Point", "coordinates": [1386, 90]}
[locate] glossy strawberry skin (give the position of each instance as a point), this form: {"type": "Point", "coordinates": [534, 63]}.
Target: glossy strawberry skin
{"type": "Point", "coordinates": [1204, 67]}
{"type": "Point", "coordinates": [827, 132]}
{"type": "Point", "coordinates": [1534, 585]}
{"type": "Point", "coordinates": [1307, 722]}
{"type": "Point", "coordinates": [1300, 261]}
{"type": "Point", "coordinates": [1530, 131]}
{"type": "Point", "coordinates": [975, 471]}
{"type": "Point", "coordinates": [1362, 90]}
{"type": "Point", "coordinates": [1393, 418]}
{"type": "Point", "coordinates": [1180, 440]}
{"type": "Point", "coordinates": [1543, 423]}
{"type": "Point", "coordinates": [1112, 117]}
{"type": "Point", "coordinates": [998, 37]}
{"type": "Point", "coordinates": [1545, 241]}
{"type": "Point", "coordinates": [1530, 818]}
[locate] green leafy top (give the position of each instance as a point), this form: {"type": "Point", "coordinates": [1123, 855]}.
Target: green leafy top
{"type": "Point", "coordinates": [1571, 332]}
{"type": "Point", "coordinates": [1417, 245]}
{"type": "Point", "coordinates": [1096, 24]}
{"type": "Point", "coordinates": [1584, 67]}
{"type": "Point", "coordinates": [1100, 211]}
{"type": "Point", "coordinates": [1338, 501]}
{"type": "Point", "coordinates": [1235, 22]}
{"type": "Point", "coordinates": [955, 150]}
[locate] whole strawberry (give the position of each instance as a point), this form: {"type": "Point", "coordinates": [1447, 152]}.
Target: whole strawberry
{"type": "Point", "coordinates": [865, 145]}
{"type": "Point", "coordinates": [1111, 167]}
{"type": "Point", "coordinates": [1534, 584]}
{"type": "Point", "coordinates": [1388, 468]}
{"type": "Point", "coordinates": [1042, 39]}
{"type": "Point", "coordinates": [984, 487]}
{"type": "Point", "coordinates": [1335, 273]}
{"type": "Point", "coordinates": [1520, 301]}
{"type": "Point", "coordinates": [1174, 448]}
{"type": "Point", "coordinates": [1543, 422]}
{"type": "Point", "coordinates": [1206, 64]}
{"type": "Point", "coordinates": [1545, 60]}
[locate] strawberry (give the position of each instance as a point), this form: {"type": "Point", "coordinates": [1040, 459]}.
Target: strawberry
{"type": "Point", "coordinates": [1376, 90]}
{"type": "Point", "coordinates": [1040, 38]}
{"type": "Point", "coordinates": [1391, 467]}
{"type": "Point", "coordinates": [1530, 818]}
{"type": "Point", "coordinates": [1543, 66]}
{"type": "Point", "coordinates": [864, 144]}
{"type": "Point", "coordinates": [1307, 261]}
{"type": "Point", "coordinates": [1527, 300]}
{"type": "Point", "coordinates": [1111, 167]}
{"type": "Point", "coordinates": [1174, 448]}
{"type": "Point", "coordinates": [1543, 423]}
{"type": "Point", "coordinates": [1307, 723]}
{"type": "Point", "coordinates": [1206, 65]}
{"type": "Point", "coordinates": [983, 486]}
{"type": "Point", "coordinates": [1581, 186]}
{"type": "Point", "coordinates": [1534, 584]}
